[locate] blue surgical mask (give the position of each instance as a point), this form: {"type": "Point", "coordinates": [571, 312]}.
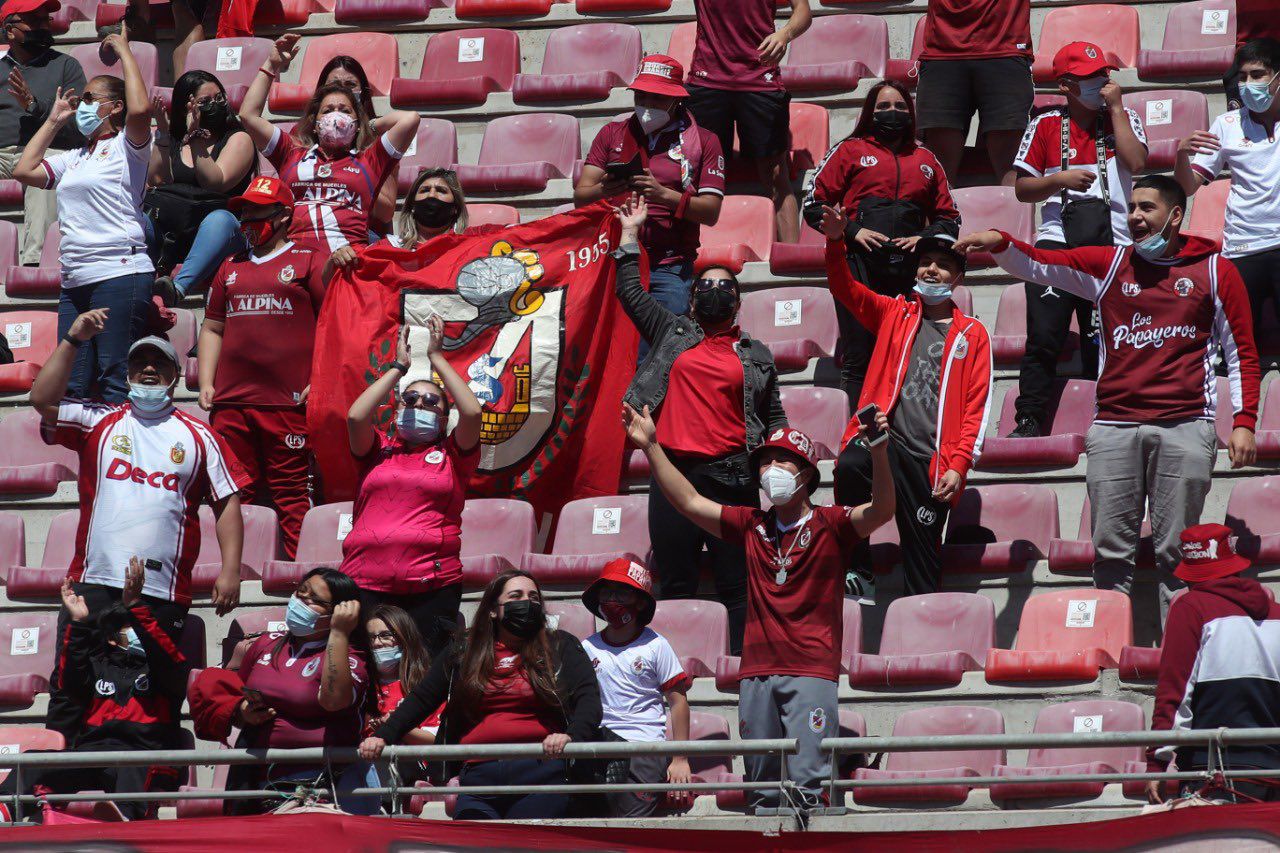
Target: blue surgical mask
{"type": "Point", "coordinates": [932, 294]}
{"type": "Point", "coordinates": [150, 399]}
{"type": "Point", "coordinates": [301, 620]}
{"type": "Point", "coordinates": [135, 645]}
{"type": "Point", "coordinates": [418, 426]}
{"type": "Point", "coordinates": [387, 659]}
{"type": "Point", "coordinates": [87, 118]}
{"type": "Point", "coordinates": [1257, 97]}
{"type": "Point", "coordinates": [1091, 92]}
{"type": "Point", "coordinates": [1154, 246]}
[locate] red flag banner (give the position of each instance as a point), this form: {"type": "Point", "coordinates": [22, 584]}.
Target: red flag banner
{"type": "Point", "coordinates": [530, 319]}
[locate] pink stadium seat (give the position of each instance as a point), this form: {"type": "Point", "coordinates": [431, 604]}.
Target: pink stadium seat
{"type": "Point", "coordinates": [1090, 715]}
{"type": "Point", "coordinates": [246, 627]}
{"type": "Point", "coordinates": [1111, 27]}
{"type": "Point", "coordinates": [994, 207]}
{"type": "Point", "coordinates": [928, 639]}
{"type": "Point", "coordinates": [319, 544]}
{"type": "Point", "coordinates": [934, 722]}
{"type": "Point", "coordinates": [1268, 433]}
{"type": "Point", "coordinates": [26, 655]}
{"type": "Point", "coordinates": [435, 146]}
{"type": "Point", "coordinates": [501, 8]}
{"type": "Point", "coordinates": [211, 807]}
{"type": "Point", "coordinates": [907, 71]}
{"type": "Point", "coordinates": [820, 60]}
{"type": "Point", "coordinates": [183, 337]}
{"type": "Point", "coordinates": [728, 667]}
{"type": "Point", "coordinates": [10, 194]}
{"type": "Point", "coordinates": [697, 630]}
{"type": "Point", "coordinates": [590, 533]}
{"type": "Point", "coordinates": [520, 153]}
{"type": "Point", "coordinates": [810, 132]}
{"type": "Point", "coordinates": [145, 54]}
{"type": "Point", "coordinates": [1208, 210]}
{"type": "Point", "coordinates": [234, 61]}
{"type": "Point", "coordinates": [707, 726]}
{"type": "Point", "coordinates": [13, 541]}
{"type": "Point", "coordinates": [1168, 115]}
{"type": "Point", "coordinates": [44, 581]}
{"type": "Point", "coordinates": [8, 240]}
{"type": "Point", "coordinates": [289, 13]}
{"type": "Point", "coordinates": [743, 233]}
{"type": "Point", "coordinates": [482, 213]}
{"type": "Point", "coordinates": [1069, 416]}
{"type": "Point", "coordinates": [1009, 339]}
{"type": "Point", "coordinates": [1253, 512]}
{"type": "Point", "coordinates": [19, 739]}
{"type": "Point", "coordinates": [1065, 635]}
{"type": "Point", "coordinates": [367, 11]}
{"type": "Point", "coordinates": [112, 11]}
{"type": "Point", "coordinates": [1224, 414]}
{"type": "Point", "coordinates": [820, 413]}
{"type": "Point", "coordinates": [963, 298]}
{"type": "Point", "coordinates": [1139, 663]}
{"type": "Point", "coordinates": [582, 63]}
{"type": "Point", "coordinates": [1199, 42]}
{"type": "Point", "coordinates": [591, 6]}
{"type": "Point", "coordinates": [378, 54]}
{"type": "Point", "coordinates": [32, 336]}
{"type": "Point", "coordinates": [461, 67]}
{"type": "Point", "coordinates": [574, 618]}
{"type": "Point", "coordinates": [1000, 528]}
{"type": "Point", "coordinates": [44, 280]}
{"type": "Point", "coordinates": [797, 323]}
{"type": "Point", "coordinates": [1068, 555]}
{"type": "Point", "coordinates": [27, 464]}
{"type": "Point", "coordinates": [680, 46]}
{"type": "Point", "coordinates": [496, 535]}
{"type": "Point", "coordinates": [71, 11]}
{"type": "Point", "coordinates": [808, 257]}
{"type": "Point", "coordinates": [261, 544]}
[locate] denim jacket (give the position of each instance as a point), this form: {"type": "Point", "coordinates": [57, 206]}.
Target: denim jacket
{"type": "Point", "coordinates": [670, 334]}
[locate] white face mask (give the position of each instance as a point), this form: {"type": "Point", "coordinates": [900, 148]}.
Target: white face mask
{"type": "Point", "coordinates": [652, 119]}
{"type": "Point", "coordinates": [781, 485]}
{"type": "Point", "coordinates": [1091, 92]}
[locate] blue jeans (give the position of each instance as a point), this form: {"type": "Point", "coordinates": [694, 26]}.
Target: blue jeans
{"type": "Point", "coordinates": [514, 771]}
{"type": "Point", "coordinates": [104, 360]}
{"type": "Point", "coordinates": [670, 285]}
{"type": "Point", "coordinates": [217, 239]}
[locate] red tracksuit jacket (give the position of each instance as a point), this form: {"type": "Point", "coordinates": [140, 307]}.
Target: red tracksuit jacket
{"type": "Point", "coordinates": [964, 398]}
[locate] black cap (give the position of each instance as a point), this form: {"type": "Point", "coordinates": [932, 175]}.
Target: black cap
{"type": "Point", "coordinates": [940, 243]}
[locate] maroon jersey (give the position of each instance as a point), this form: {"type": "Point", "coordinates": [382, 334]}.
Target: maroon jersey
{"type": "Point", "coordinates": [727, 52]}
{"type": "Point", "coordinates": [1163, 324]}
{"type": "Point", "coordinates": [1256, 19]}
{"type": "Point", "coordinates": [269, 306]}
{"type": "Point", "coordinates": [977, 29]}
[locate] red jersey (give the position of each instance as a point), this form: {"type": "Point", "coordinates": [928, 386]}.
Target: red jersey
{"type": "Point", "coordinates": [390, 695]}
{"type": "Point", "coordinates": [1256, 19]}
{"type": "Point", "coordinates": [510, 711]}
{"type": "Point", "coordinates": [332, 198]}
{"type": "Point", "coordinates": [682, 156]}
{"type": "Point", "coordinates": [704, 397]}
{"type": "Point", "coordinates": [726, 54]}
{"type": "Point", "coordinates": [1163, 324]}
{"type": "Point", "coordinates": [977, 29]}
{"type": "Point", "coordinates": [269, 305]}
{"type": "Point", "coordinates": [795, 589]}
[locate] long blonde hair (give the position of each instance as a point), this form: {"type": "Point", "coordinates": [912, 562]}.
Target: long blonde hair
{"type": "Point", "coordinates": [405, 225]}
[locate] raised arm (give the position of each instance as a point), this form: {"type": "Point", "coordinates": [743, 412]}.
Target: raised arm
{"type": "Point", "coordinates": [337, 688]}
{"type": "Point", "coordinates": [360, 416]}
{"type": "Point", "coordinates": [648, 315]}
{"type": "Point", "coordinates": [679, 491]}
{"type": "Point", "coordinates": [255, 100]}
{"type": "Point", "coordinates": [50, 384]}
{"type": "Point", "coordinates": [1085, 271]}
{"type": "Point", "coordinates": [466, 433]}
{"type": "Point", "coordinates": [403, 127]}
{"type": "Point", "coordinates": [868, 517]}
{"type": "Point", "coordinates": [137, 98]}
{"type": "Point", "coordinates": [865, 304]}
{"type": "Point", "coordinates": [29, 169]}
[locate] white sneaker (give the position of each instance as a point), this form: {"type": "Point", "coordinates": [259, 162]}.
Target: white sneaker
{"type": "Point", "coordinates": [860, 587]}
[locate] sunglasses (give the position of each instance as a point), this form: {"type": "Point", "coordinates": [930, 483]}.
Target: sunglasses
{"type": "Point", "coordinates": [420, 399]}
{"type": "Point", "coordinates": [211, 99]}
{"type": "Point", "coordinates": [703, 285]}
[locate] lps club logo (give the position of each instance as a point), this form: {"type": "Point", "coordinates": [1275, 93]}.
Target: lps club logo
{"type": "Point", "coordinates": [1130, 288]}
{"type": "Point", "coordinates": [294, 441]}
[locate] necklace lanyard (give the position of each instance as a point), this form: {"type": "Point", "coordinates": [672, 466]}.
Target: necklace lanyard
{"type": "Point", "coordinates": [1100, 152]}
{"type": "Point", "coordinates": [784, 561]}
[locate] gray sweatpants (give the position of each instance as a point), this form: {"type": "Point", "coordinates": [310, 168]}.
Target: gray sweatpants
{"type": "Point", "coordinates": [1166, 466]}
{"type": "Point", "coordinates": [39, 208]}
{"type": "Point", "coordinates": [788, 706]}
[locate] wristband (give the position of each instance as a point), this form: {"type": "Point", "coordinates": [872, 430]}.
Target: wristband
{"type": "Point", "coordinates": [75, 342]}
{"type": "Point", "coordinates": [273, 75]}
{"type": "Point", "coordinates": [398, 365]}
{"type": "Point", "coordinates": [683, 206]}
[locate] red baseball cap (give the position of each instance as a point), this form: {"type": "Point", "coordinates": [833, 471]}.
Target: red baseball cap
{"type": "Point", "coordinates": [660, 75]}
{"type": "Point", "coordinates": [21, 7]}
{"type": "Point", "coordinates": [1207, 554]}
{"type": "Point", "coordinates": [628, 573]}
{"type": "Point", "coordinates": [797, 445]}
{"type": "Point", "coordinates": [1081, 59]}
{"type": "Point", "coordinates": [265, 189]}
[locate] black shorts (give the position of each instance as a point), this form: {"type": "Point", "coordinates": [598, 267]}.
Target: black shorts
{"type": "Point", "coordinates": [1000, 90]}
{"type": "Point", "coordinates": [763, 119]}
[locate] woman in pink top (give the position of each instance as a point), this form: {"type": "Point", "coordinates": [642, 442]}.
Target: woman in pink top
{"type": "Point", "coordinates": [403, 548]}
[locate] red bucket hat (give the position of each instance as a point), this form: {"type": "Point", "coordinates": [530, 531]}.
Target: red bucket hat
{"type": "Point", "coordinates": [627, 573]}
{"type": "Point", "coordinates": [1081, 59]}
{"type": "Point", "coordinates": [265, 189]}
{"type": "Point", "coordinates": [1207, 554]}
{"type": "Point", "coordinates": [660, 75]}
{"type": "Point", "coordinates": [797, 445]}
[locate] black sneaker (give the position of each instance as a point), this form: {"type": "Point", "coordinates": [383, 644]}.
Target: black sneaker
{"type": "Point", "coordinates": [166, 290]}
{"type": "Point", "coordinates": [861, 587]}
{"type": "Point", "coordinates": [1028, 427]}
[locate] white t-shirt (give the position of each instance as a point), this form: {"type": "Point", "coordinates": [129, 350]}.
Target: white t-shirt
{"type": "Point", "coordinates": [142, 480]}
{"type": "Point", "coordinates": [632, 680]}
{"type": "Point", "coordinates": [100, 216]}
{"type": "Point", "coordinates": [1253, 205]}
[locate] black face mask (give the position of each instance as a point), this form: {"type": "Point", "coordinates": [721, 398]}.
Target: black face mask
{"type": "Point", "coordinates": [433, 213]}
{"type": "Point", "coordinates": [890, 122]}
{"type": "Point", "coordinates": [37, 41]}
{"type": "Point", "coordinates": [213, 116]}
{"type": "Point", "coordinates": [523, 618]}
{"type": "Point", "coordinates": [714, 306]}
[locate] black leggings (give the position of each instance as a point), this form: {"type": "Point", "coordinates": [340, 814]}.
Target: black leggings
{"type": "Point", "coordinates": [1261, 275]}
{"type": "Point", "coordinates": [856, 342]}
{"type": "Point", "coordinates": [435, 613]}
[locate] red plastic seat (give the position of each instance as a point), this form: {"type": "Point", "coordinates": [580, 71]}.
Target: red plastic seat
{"type": "Point", "coordinates": [1268, 432]}
{"type": "Point", "coordinates": [501, 8]}
{"type": "Point", "coordinates": [234, 61]}
{"type": "Point", "coordinates": [595, 6]}
{"type": "Point", "coordinates": [288, 13]}
{"type": "Point", "coordinates": [806, 258]}
{"type": "Point", "coordinates": [590, 533]}
{"type": "Point", "coordinates": [70, 12]}
{"type": "Point", "coordinates": [743, 233]}
{"type": "Point", "coordinates": [796, 323]}
{"type": "Point", "coordinates": [1168, 115]}
{"type": "Point", "coordinates": [582, 63]}
{"type": "Point", "coordinates": [934, 722]}
{"type": "Point", "coordinates": [461, 67]}
{"type": "Point", "coordinates": [377, 53]}
{"type": "Point", "coordinates": [319, 544]}
{"type": "Point", "coordinates": [1139, 663]}
{"type": "Point", "coordinates": [1113, 28]}
{"type": "Point", "coordinates": [1000, 528]}
{"type": "Point", "coordinates": [144, 53]}
{"type": "Point", "coordinates": [44, 581]}
{"type": "Point", "coordinates": [1209, 210]}
{"type": "Point", "coordinates": [18, 739]}
{"type": "Point", "coordinates": [27, 464]}
{"type": "Point", "coordinates": [928, 639]}
{"type": "Point", "coordinates": [13, 541]}
{"type": "Point", "coordinates": [1065, 635]}
{"type": "Point", "coordinates": [521, 153]}
{"type": "Point", "coordinates": [367, 11]}
{"type": "Point", "coordinates": [728, 667]}
{"type": "Point", "coordinates": [112, 12]}
{"type": "Point", "coordinates": [32, 337]}
{"type": "Point", "coordinates": [1076, 555]}
{"type": "Point", "coordinates": [8, 237]}
{"type": "Point", "coordinates": [1009, 339]}
{"type": "Point", "coordinates": [963, 298]}
{"type": "Point", "coordinates": [246, 627]}
{"type": "Point", "coordinates": [1090, 715]}
{"type": "Point", "coordinates": [482, 213]}
{"type": "Point", "coordinates": [680, 45]}
{"type": "Point", "coordinates": [907, 71]}
{"type": "Point", "coordinates": [26, 655]}
{"type": "Point", "coordinates": [1253, 513]}
{"type": "Point", "coordinates": [434, 146]}
{"type": "Point", "coordinates": [497, 533]}
{"type": "Point", "coordinates": [574, 618]}
{"type": "Point", "coordinates": [43, 281]}
{"type": "Point", "coordinates": [697, 630]}
{"type": "Point", "coordinates": [261, 545]}
{"type": "Point", "coordinates": [821, 60]}
{"type": "Point", "coordinates": [1198, 43]}
{"type": "Point", "coordinates": [994, 207]}
{"type": "Point", "coordinates": [820, 413]}
{"type": "Point", "coordinates": [1068, 418]}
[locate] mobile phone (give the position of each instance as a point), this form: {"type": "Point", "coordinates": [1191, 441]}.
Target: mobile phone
{"type": "Point", "coordinates": [624, 171]}
{"type": "Point", "coordinates": [254, 697]}
{"type": "Point", "coordinates": [867, 417]}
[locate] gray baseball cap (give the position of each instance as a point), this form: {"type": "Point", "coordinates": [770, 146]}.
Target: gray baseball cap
{"type": "Point", "coordinates": [158, 343]}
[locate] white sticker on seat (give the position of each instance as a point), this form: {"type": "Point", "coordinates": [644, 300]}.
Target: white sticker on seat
{"type": "Point", "coordinates": [1080, 612]}
{"type": "Point", "coordinates": [471, 50]}
{"type": "Point", "coordinates": [228, 59]}
{"type": "Point", "coordinates": [1213, 22]}
{"type": "Point", "coordinates": [606, 521]}
{"type": "Point", "coordinates": [276, 627]}
{"type": "Point", "coordinates": [787, 312]}
{"type": "Point", "coordinates": [18, 335]}
{"type": "Point", "coordinates": [344, 525]}
{"type": "Point", "coordinates": [1160, 112]}
{"type": "Point", "coordinates": [413, 147]}
{"type": "Point", "coordinates": [25, 641]}
{"type": "Point", "coordinates": [1091, 723]}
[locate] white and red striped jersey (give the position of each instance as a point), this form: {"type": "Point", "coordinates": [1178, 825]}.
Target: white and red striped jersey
{"type": "Point", "coordinates": [142, 480]}
{"type": "Point", "coordinates": [1163, 325]}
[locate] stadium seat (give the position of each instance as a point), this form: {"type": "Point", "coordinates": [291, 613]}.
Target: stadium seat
{"type": "Point", "coordinates": [907, 71]}
{"type": "Point", "coordinates": [501, 8]}
{"type": "Point", "coordinates": [144, 53]}
{"type": "Point", "coordinates": [697, 630]}
{"type": "Point", "coordinates": [796, 323]}
{"type": "Point", "coordinates": [1065, 635]}
{"type": "Point", "coordinates": [805, 258]}
{"type": "Point", "coordinates": [582, 63]}
{"type": "Point", "coordinates": [1009, 338]}
{"type": "Point", "coordinates": [994, 207]}
{"type": "Point", "coordinates": [1209, 210]}
{"type": "Point", "coordinates": [378, 54]}
{"type": "Point", "coordinates": [1253, 513]}
{"type": "Point", "coordinates": [496, 535]}
{"type": "Point", "coordinates": [32, 337]}
{"type": "Point", "coordinates": [1111, 27]}
{"type": "Point", "coordinates": [934, 722]}
{"type": "Point", "coordinates": [44, 581]}
{"type": "Point", "coordinates": [1076, 555]}
{"type": "Point", "coordinates": [261, 545]}
{"type": "Point", "coordinates": [246, 627]}
{"type": "Point", "coordinates": [574, 618]}
{"type": "Point", "coordinates": [1067, 419]}
{"type": "Point", "coordinates": [289, 13]}
{"type": "Point", "coordinates": [1168, 115]}
{"type": "Point", "coordinates": [1000, 528]}
{"type": "Point", "coordinates": [19, 739]}
{"type": "Point", "coordinates": [1139, 663]}
{"type": "Point", "coordinates": [590, 533]}
{"type": "Point", "coordinates": [319, 544]}
{"type": "Point", "coordinates": [43, 281]}
{"type": "Point", "coordinates": [112, 11]}
{"type": "Point", "coordinates": [357, 12]}
{"type": "Point", "coordinates": [183, 337]}
{"type": "Point", "coordinates": [743, 233]}
{"type": "Point", "coordinates": [8, 236]}
{"type": "Point", "coordinates": [597, 6]}
{"type": "Point", "coordinates": [520, 153]}
{"type": "Point", "coordinates": [435, 146]}
{"type": "Point", "coordinates": [211, 807]}
{"type": "Point", "coordinates": [27, 464]}
{"type": "Point", "coordinates": [820, 413]}
{"type": "Point", "coordinates": [1268, 433]}
{"type": "Point", "coordinates": [929, 639]}
{"type": "Point", "coordinates": [1198, 44]}
{"type": "Point", "coordinates": [680, 45]}
{"type": "Point", "coordinates": [13, 540]}
{"type": "Point", "coordinates": [461, 67]}
{"type": "Point", "coordinates": [963, 298]}
{"type": "Point", "coordinates": [26, 655]}
{"type": "Point", "coordinates": [71, 11]}
{"type": "Point", "coordinates": [234, 61]}
{"type": "Point", "coordinates": [481, 213]}
{"type": "Point", "coordinates": [728, 667]}
{"type": "Point", "coordinates": [820, 59]}
{"type": "Point", "coordinates": [1086, 716]}
{"type": "Point", "coordinates": [707, 726]}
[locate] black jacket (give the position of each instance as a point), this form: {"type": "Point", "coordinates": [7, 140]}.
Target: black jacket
{"type": "Point", "coordinates": [669, 334]}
